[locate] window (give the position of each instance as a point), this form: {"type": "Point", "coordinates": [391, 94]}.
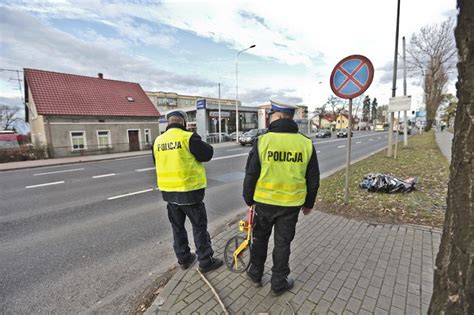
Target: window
{"type": "Point", "coordinates": [147, 136]}
{"type": "Point", "coordinates": [162, 100]}
{"type": "Point", "coordinates": [103, 139]}
{"type": "Point", "coordinates": [78, 140]}
{"type": "Point", "coordinates": [130, 99]}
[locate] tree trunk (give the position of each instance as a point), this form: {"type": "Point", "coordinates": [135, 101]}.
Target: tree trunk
{"type": "Point", "coordinates": [454, 277]}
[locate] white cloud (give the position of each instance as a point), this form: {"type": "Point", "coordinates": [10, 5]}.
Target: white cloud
{"type": "Point", "coordinates": [313, 34]}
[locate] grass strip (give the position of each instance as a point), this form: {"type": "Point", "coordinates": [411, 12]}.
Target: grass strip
{"type": "Point", "coordinates": [426, 206]}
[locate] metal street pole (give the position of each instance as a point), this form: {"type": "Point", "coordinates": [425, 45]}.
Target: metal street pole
{"type": "Point", "coordinates": [237, 118]}
{"type": "Point", "coordinates": [309, 123]}
{"type": "Point", "coordinates": [219, 102]}
{"type": "Point", "coordinates": [348, 154]}
{"type": "Point", "coordinates": [405, 127]}
{"type": "Point", "coordinates": [396, 137]}
{"type": "Point", "coordinates": [394, 84]}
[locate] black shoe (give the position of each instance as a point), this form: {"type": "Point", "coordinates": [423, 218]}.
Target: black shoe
{"type": "Point", "coordinates": [189, 263]}
{"type": "Point", "coordinates": [289, 285]}
{"type": "Point", "coordinates": [256, 283]}
{"type": "Point", "coordinates": [215, 263]}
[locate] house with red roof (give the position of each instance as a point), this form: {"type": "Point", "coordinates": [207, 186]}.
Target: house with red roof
{"type": "Point", "coordinates": [73, 114]}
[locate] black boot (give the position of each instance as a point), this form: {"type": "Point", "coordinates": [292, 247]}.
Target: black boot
{"type": "Point", "coordinates": [215, 263]}
{"type": "Point", "coordinates": [189, 263]}
{"type": "Point", "coordinates": [288, 286]}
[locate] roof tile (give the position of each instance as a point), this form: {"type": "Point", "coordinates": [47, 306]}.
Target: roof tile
{"type": "Point", "coordinates": [68, 94]}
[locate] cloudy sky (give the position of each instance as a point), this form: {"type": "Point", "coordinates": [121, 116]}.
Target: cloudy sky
{"type": "Point", "coordinates": [189, 47]}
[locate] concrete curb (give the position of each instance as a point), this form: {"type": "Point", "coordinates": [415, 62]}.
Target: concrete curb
{"type": "Point", "coordinates": [102, 158]}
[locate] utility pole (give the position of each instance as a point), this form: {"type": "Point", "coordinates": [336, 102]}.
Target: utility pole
{"type": "Point", "coordinates": [394, 84]}
{"type": "Point", "coordinates": [405, 128]}
{"type": "Point", "coordinates": [219, 102]}
{"type": "Point", "coordinates": [237, 117]}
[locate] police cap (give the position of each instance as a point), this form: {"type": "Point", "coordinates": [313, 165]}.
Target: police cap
{"type": "Point", "coordinates": [178, 113]}
{"type": "Point", "coordinates": [282, 108]}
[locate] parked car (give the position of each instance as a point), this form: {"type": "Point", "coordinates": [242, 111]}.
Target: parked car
{"type": "Point", "coordinates": [342, 133]}
{"type": "Point", "coordinates": [233, 135]}
{"type": "Point", "coordinates": [214, 137]}
{"type": "Point", "coordinates": [323, 133]}
{"type": "Point", "coordinates": [379, 127]}
{"type": "Point", "coordinates": [401, 131]}
{"type": "Point", "coordinates": [250, 136]}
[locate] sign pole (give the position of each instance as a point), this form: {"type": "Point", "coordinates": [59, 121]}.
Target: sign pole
{"type": "Point", "coordinates": [396, 137]}
{"type": "Point", "coordinates": [350, 78]}
{"type": "Point", "coordinates": [348, 154]}
{"type": "Point", "coordinates": [220, 135]}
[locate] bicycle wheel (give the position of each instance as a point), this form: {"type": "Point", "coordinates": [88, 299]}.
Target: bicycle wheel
{"type": "Point", "coordinates": [243, 260]}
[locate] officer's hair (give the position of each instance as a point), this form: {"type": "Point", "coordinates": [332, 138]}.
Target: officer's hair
{"type": "Point", "coordinates": [176, 120]}
{"type": "Point", "coordinates": [283, 115]}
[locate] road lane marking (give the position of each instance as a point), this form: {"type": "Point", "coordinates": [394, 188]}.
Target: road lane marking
{"type": "Point", "coordinates": [341, 146]}
{"type": "Point", "coordinates": [45, 184]}
{"type": "Point", "coordinates": [229, 156]}
{"type": "Point", "coordinates": [105, 175]}
{"type": "Point", "coordinates": [238, 149]}
{"type": "Point", "coordinates": [334, 140]}
{"type": "Point", "coordinates": [145, 169]}
{"type": "Point", "coordinates": [358, 142]}
{"type": "Point", "coordinates": [318, 151]}
{"type": "Point", "coordinates": [371, 139]}
{"type": "Point", "coordinates": [56, 172]}
{"type": "Point", "coordinates": [130, 194]}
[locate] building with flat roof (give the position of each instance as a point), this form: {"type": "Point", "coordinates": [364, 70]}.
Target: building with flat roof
{"type": "Point", "coordinates": [203, 113]}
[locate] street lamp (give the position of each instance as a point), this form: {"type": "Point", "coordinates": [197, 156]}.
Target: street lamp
{"type": "Point", "coordinates": [237, 118]}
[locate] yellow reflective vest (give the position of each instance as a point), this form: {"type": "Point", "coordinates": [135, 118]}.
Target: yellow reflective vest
{"type": "Point", "coordinates": [284, 158]}
{"type": "Point", "coordinates": [177, 169]}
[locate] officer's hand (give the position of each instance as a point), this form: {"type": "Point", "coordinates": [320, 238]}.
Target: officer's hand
{"type": "Point", "coordinates": [306, 211]}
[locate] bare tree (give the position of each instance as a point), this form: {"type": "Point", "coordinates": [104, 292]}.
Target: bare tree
{"type": "Point", "coordinates": [9, 116]}
{"type": "Point", "coordinates": [432, 52]}
{"type": "Point", "coordinates": [335, 104]}
{"type": "Point", "coordinates": [320, 112]}
{"type": "Point", "coordinates": [453, 291]}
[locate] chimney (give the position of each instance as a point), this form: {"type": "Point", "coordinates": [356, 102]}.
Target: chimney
{"type": "Point", "coordinates": [100, 75]}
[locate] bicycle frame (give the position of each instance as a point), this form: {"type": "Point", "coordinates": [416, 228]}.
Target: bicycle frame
{"type": "Point", "coordinates": [245, 226]}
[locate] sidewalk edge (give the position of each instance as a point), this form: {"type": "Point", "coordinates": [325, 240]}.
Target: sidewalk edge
{"type": "Point", "coordinates": [73, 162]}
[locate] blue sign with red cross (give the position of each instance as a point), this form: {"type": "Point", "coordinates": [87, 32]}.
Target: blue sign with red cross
{"type": "Point", "coordinates": [352, 76]}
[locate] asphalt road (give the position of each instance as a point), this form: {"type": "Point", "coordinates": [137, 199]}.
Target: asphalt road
{"type": "Point", "coordinates": [89, 237]}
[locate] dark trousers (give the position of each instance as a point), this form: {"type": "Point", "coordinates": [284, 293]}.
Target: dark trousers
{"type": "Point", "coordinates": [198, 217]}
{"type": "Point", "coordinates": [284, 219]}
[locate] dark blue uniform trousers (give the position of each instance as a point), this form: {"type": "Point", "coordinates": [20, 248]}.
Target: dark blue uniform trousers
{"type": "Point", "coordinates": [284, 220]}
{"type": "Point", "coordinates": [198, 217]}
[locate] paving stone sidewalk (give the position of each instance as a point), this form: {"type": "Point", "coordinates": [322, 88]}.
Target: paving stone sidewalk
{"type": "Point", "coordinates": [340, 266]}
{"type": "Point", "coordinates": [445, 143]}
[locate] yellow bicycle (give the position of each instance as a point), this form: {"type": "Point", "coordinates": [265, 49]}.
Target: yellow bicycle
{"type": "Point", "coordinates": [237, 249]}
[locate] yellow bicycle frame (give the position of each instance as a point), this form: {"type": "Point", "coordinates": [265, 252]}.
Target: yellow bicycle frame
{"type": "Point", "coordinates": [243, 227]}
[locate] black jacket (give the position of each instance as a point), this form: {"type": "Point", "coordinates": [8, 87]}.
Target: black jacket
{"type": "Point", "coordinates": [203, 152]}
{"type": "Point", "coordinates": [252, 170]}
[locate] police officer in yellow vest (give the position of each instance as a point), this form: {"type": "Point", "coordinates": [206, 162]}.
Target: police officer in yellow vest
{"type": "Point", "coordinates": [181, 176]}
{"type": "Point", "coordinates": [281, 179]}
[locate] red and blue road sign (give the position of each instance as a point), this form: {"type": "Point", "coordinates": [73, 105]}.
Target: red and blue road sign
{"type": "Point", "coordinates": [352, 76]}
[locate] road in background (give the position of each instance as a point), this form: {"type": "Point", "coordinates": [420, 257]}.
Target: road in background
{"type": "Point", "coordinates": [91, 236]}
